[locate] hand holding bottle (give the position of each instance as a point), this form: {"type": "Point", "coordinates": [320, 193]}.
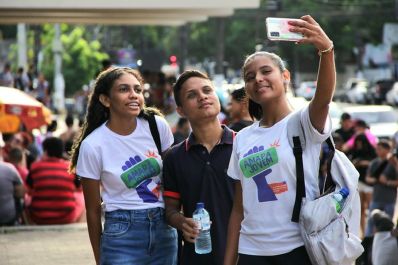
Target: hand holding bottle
{"type": "Point", "coordinates": [190, 230]}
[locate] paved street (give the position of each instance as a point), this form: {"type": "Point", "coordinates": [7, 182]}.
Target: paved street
{"type": "Point", "coordinates": [45, 245]}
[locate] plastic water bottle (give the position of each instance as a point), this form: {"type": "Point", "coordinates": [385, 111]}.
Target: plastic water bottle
{"type": "Point", "coordinates": [339, 198]}
{"type": "Point", "coordinates": [202, 219]}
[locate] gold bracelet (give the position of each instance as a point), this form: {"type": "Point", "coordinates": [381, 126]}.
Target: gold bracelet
{"type": "Point", "coordinates": [327, 50]}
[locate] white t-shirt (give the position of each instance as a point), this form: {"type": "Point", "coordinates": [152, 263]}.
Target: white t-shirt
{"type": "Point", "coordinates": [129, 166]}
{"type": "Point", "coordinates": [263, 161]}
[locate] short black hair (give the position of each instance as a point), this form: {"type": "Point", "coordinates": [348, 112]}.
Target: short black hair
{"type": "Point", "coordinates": [239, 94]}
{"type": "Point", "coordinates": [54, 147]}
{"type": "Point", "coordinates": [384, 143]}
{"type": "Point", "coordinates": [15, 155]}
{"type": "Point", "coordinates": [382, 221]}
{"type": "Point", "coordinates": [182, 79]}
{"type": "Point", "coordinates": [345, 116]}
{"type": "Point", "coordinates": [181, 122]}
{"type": "Point", "coordinates": [69, 120]}
{"type": "Point", "coordinates": [362, 124]}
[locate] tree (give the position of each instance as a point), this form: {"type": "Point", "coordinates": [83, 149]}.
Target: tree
{"type": "Point", "coordinates": [81, 59]}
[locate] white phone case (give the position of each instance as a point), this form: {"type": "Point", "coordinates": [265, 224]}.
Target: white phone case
{"type": "Point", "coordinates": [278, 29]}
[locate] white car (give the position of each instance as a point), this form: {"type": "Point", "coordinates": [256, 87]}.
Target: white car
{"type": "Point", "coordinates": [306, 90]}
{"type": "Point", "coordinates": [335, 110]}
{"type": "Point", "coordinates": [357, 90]}
{"type": "Point", "coordinates": [382, 119]}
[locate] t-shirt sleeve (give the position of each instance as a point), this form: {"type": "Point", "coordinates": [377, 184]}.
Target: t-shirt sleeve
{"type": "Point", "coordinates": [233, 167]}
{"type": "Point", "coordinates": [15, 177]}
{"type": "Point", "coordinates": [390, 172]}
{"type": "Point", "coordinates": [166, 136]}
{"type": "Point", "coordinates": [170, 183]}
{"type": "Point", "coordinates": [88, 162]}
{"type": "Point", "coordinates": [312, 134]}
{"type": "Point", "coordinates": [371, 168]}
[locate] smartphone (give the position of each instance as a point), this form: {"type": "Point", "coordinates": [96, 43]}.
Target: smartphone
{"type": "Point", "coordinates": [278, 29]}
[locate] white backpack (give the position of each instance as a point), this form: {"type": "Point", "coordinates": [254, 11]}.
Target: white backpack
{"type": "Point", "coordinates": [330, 238]}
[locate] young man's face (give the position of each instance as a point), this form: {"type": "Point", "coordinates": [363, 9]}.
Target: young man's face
{"type": "Point", "coordinates": [198, 99]}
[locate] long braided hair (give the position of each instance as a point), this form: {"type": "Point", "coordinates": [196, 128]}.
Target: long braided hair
{"type": "Point", "coordinates": [97, 113]}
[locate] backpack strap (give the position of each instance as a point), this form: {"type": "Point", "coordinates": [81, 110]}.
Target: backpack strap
{"type": "Point", "coordinates": [300, 187]}
{"type": "Point", "coordinates": [154, 131]}
{"type": "Point", "coordinates": [329, 185]}
{"type": "Point", "coordinates": [297, 141]}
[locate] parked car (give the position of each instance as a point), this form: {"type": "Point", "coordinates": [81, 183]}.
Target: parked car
{"type": "Point", "coordinates": [356, 90]}
{"type": "Point", "coordinates": [335, 110]}
{"type": "Point", "coordinates": [306, 90]}
{"type": "Point", "coordinates": [378, 92]}
{"type": "Point", "coordinates": [382, 119]}
{"type": "Point", "coordinates": [351, 92]}
{"type": "Point", "coordinates": [392, 95]}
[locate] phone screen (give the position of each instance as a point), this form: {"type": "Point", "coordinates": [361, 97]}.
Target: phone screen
{"type": "Point", "coordinates": [278, 29]}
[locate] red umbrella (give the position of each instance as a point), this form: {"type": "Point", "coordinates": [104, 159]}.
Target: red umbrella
{"type": "Point", "coordinates": [16, 106]}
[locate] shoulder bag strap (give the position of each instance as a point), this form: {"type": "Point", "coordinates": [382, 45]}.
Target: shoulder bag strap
{"type": "Point", "coordinates": [300, 189]}
{"type": "Point", "coordinates": [155, 132]}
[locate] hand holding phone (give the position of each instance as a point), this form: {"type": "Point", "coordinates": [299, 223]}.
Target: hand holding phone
{"type": "Point", "coordinates": [278, 29]}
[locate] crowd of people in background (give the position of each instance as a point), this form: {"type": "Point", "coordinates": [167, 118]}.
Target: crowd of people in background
{"type": "Point", "coordinates": [28, 81]}
{"type": "Point", "coordinates": [377, 163]}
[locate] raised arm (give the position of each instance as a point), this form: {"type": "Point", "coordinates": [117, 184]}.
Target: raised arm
{"type": "Point", "coordinates": [326, 81]}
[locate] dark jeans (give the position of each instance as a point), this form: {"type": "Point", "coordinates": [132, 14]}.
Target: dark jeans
{"type": "Point", "coordinates": [297, 256]}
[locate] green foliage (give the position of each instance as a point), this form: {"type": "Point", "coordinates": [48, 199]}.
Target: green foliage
{"type": "Point", "coordinates": [81, 59]}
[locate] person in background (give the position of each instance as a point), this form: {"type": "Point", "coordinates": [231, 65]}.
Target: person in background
{"type": "Point", "coordinates": [68, 135]}
{"type": "Point", "coordinates": [21, 80]}
{"type": "Point", "coordinates": [383, 197]}
{"type": "Point", "coordinates": [261, 229]}
{"type": "Point", "coordinates": [16, 158]}
{"type": "Point", "coordinates": [361, 127]}
{"type": "Point", "coordinates": [42, 90]}
{"type": "Point", "coordinates": [238, 110]}
{"type": "Point", "coordinates": [183, 129]}
{"type": "Point", "coordinates": [195, 170]}
{"type": "Point", "coordinates": [115, 153]}
{"type": "Point", "coordinates": [6, 77]}
{"type": "Point", "coordinates": [11, 190]}
{"type": "Point", "coordinates": [385, 243]}
{"type": "Point", "coordinates": [56, 197]}
{"type": "Point", "coordinates": [361, 154]}
{"type": "Point", "coordinates": [346, 130]}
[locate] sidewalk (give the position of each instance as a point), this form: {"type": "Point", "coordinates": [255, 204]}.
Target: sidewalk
{"type": "Point", "coordinates": [45, 245]}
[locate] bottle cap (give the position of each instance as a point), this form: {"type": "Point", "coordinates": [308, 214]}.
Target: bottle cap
{"type": "Point", "coordinates": [200, 205]}
{"type": "Point", "coordinates": [345, 192]}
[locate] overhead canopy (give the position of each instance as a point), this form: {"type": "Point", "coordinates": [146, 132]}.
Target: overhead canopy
{"type": "Point", "coordinates": [118, 12]}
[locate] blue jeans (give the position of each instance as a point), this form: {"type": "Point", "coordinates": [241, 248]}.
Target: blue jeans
{"type": "Point", "coordinates": [386, 207]}
{"type": "Point", "coordinates": [138, 237]}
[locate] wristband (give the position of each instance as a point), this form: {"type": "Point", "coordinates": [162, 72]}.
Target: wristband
{"type": "Point", "coordinates": [327, 50]}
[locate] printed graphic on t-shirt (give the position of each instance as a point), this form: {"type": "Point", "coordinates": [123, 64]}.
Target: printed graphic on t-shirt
{"type": "Point", "coordinates": [257, 164]}
{"type": "Point", "coordinates": [139, 173]}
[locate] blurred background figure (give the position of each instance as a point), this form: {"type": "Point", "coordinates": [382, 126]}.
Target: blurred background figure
{"type": "Point", "coordinates": [56, 194]}
{"type": "Point", "coordinates": [361, 127]}
{"type": "Point", "coordinates": [385, 243]}
{"type": "Point", "coordinates": [42, 90]}
{"type": "Point", "coordinates": [11, 192]}
{"type": "Point", "coordinates": [346, 130]}
{"type": "Point", "coordinates": [21, 80]}
{"type": "Point", "coordinates": [361, 153]}
{"type": "Point", "coordinates": [183, 129]}
{"type": "Point", "coordinates": [6, 77]}
{"type": "Point", "coordinates": [238, 110]}
{"type": "Point", "coordinates": [68, 135]}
